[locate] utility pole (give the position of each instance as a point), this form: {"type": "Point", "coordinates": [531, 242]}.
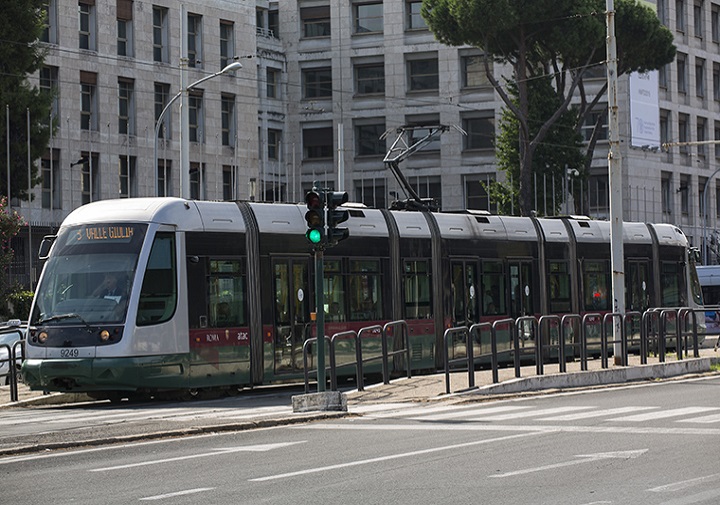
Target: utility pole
{"type": "Point", "coordinates": [617, 260]}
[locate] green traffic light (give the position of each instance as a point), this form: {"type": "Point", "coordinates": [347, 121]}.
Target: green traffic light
{"type": "Point", "coordinates": [314, 236]}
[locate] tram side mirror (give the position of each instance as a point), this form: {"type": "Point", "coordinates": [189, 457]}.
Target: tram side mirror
{"type": "Point", "coordinates": [45, 246]}
{"type": "Point", "coordinates": [193, 259]}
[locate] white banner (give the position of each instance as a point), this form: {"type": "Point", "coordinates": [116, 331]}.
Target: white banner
{"type": "Point", "coordinates": [644, 110]}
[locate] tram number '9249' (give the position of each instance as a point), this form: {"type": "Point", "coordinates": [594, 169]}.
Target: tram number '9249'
{"type": "Point", "coordinates": [69, 353]}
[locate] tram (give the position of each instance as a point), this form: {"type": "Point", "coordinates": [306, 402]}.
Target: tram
{"type": "Point", "coordinates": [145, 295]}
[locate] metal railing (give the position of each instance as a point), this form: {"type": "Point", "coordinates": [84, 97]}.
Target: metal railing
{"type": "Point", "coordinates": [13, 353]}
{"type": "Point", "coordinates": [358, 337]}
{"type": "Point", "coordinates": [578, 335]}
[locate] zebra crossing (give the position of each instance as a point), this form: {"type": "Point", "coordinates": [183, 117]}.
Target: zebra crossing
{"type": "Point", "coordinates": [633, 415]}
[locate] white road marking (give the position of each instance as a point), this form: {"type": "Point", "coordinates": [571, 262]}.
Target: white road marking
{"type": "Point", "coordinates": [683, 484]}
{"type": "Point", "coordinates": [596, 413]}
{"type": "Point", "coordinates": [178, 493]}
{"type": "Point", "coordinates": [663, 414]}
{"type": "Point", "coordinates": [714, 418]}
{"type": "Point", "coordinates": [703, 497]}
{"type": "Point", "coordinates": [215, 452]}
{"type": "Point", "coordinates": [474, 412]}
{"type": "Point", "coordinates": [528, 413]}
{"type": "Point", "coordinates": [584, 458]}
{"type": "Point", "coordinates": [386, 458]}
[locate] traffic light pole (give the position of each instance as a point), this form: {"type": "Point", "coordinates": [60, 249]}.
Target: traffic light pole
{"type": "Point", "coordinates": [320, 318]}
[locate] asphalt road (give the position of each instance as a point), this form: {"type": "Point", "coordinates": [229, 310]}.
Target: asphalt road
{"type": "Point", "coordinates": [654, 444]}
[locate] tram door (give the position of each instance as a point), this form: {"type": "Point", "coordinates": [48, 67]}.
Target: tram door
{"type": "Point", "coordinates": [292, 313]}
{"type": "Point", "coordinates": [521, 288]}
{"type": "Point", "coordinates": [464, 293]}
{"type": "Point", "coordinates": [637, 292]}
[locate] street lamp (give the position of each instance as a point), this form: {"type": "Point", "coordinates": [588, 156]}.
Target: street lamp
{"type": "Point", "coordinates": [229, 68]}
{"type": "Point", "coordinates": [705, 192]}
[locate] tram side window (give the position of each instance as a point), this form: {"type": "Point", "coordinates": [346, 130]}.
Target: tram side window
{"type": "Point", "coordinates": [559, 287]}
{"type": "Point", "coordinates": [365, 293]}
{"type": "Point", "coordinates": [226, 293]}
{"type": "Point", "coordinates": [493, 286]}
{"type": "Point", "coordinates": [418, 296]}
{"type": "Point", "coordinates": [334, 291]}
{"type": "Point", "coordinates": [595, 285]}
{"type": "Point", "coordinates": [158, 296]}
{"type": "Point", "coordinates": [672, 284]}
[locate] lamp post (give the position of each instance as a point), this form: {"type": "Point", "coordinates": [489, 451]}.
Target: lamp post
{"type": "Point", "coordinates": [705, 198]}
{"type": "Point", "coordinates": [229, 68]}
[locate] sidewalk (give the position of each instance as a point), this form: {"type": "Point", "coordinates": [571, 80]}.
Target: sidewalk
{"type": "Point", "coordinates": [423, 388]}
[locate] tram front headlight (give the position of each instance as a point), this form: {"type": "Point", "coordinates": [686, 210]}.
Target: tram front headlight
{"type": "Point", "coordinates": [42, 337]}
{"type": "Point", "coordinates": [104, 335]}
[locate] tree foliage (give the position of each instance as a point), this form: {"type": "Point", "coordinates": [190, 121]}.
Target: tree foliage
{"type": "Point", "coordinates": [559, 39]}
{"type": "Point", "coordinates": [10, 223]}
{"type": "Point", "coordinates": [561, 150]}
{"type": "Point", "coordinates": [21, 26]}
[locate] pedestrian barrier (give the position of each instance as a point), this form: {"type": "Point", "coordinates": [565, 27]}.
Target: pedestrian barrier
{"type": "Point", "coordinates": [11, 355]}
{"type": "Point", "coordinates": [393, 328]}
{"type": "Point", "coordinates": [575, 333]}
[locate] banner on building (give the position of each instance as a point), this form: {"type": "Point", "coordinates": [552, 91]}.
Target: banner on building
{"type": "Point", "coordinates": [644, 110]}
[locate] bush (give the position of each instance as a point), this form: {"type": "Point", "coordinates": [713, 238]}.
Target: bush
{"type": "Point", "coordinates": [19, 304]}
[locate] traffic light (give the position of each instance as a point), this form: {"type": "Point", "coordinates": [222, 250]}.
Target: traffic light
{"type": "Point", "coordinates": [315, 217]}
{"type": "Point", "coordinates": [336, 216]}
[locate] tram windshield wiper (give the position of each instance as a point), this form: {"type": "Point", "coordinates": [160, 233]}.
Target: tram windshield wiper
{"type": "Point", "coordinates": [59, 317]}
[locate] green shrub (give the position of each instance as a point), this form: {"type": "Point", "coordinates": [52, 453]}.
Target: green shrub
{"type": "Point", "coordinates": [20, 302]}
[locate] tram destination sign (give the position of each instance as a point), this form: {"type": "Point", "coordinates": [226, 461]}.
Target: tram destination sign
{"type": "Point", "coordinates": [118, 233]}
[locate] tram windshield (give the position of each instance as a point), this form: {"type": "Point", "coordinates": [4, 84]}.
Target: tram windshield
{"type": "Point", "coordinates": [88, 277]}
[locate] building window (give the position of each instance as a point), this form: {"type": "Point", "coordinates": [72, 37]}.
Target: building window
{"type": "Point", "coordinates": [315, 21]}
{"type": "Point", "coordinates": [88, 101]}
{"type": "Point", "coordinates": [194, 40]}
{"type": "Point", "coordinates": [717, 137]}
{"type": "Point", "coordinates": [698, 19]}
{"type": "Point", "coordinates": [473, 72]}
{"type": "Point", "coordinates": [598, 194]}
{"type": "Point", "coordinates": [367, 139]}
{"type": "Point", "coordinates": [49, 33]}
{"type": "Point", "coordinates": [684, 191]}
{"type": "Point", "coordinates": [195, 109]}
{"type": "Point", "coordinates": [126, 173]}
{"type": "Point", "coordinates": [681, 73]}
{"type": "Point", "coordinates": [162, 95]}
{"type": "Point", "coordinates": [228, 119]}
{"type": "Point", "coordinates": [89, 178]}
{"type": "Point", "coordinates": [423, 74]}
{"type": "Point", "coordinates": [197, 181]}
{"type": "Point", "coordinates": [480, 132]}
{"type": "Point", "coordinates": [427, 187]}
{"type": "Point", "coordinates": [701, 136]}
{"type": "Point", "coordinates": [476, 195]}
{"type": "Point", "coordinates": [717, 199]}
{"type": "Point", "coordinates": [420, 127]}
{"type": "Point", "coordinates": [51, 189]}
{"type": "Point", "coordinates": [715, 23]}
{"type": "Point", "coordinates": [125, 28]}
{"type": "Point", "coordinates": [663, 77]}
{"type": "Point", "coordinates": [666, 195]}
{"type": "Point", "coordinates": [368, 17]}
{"type": "Point", "coordinates": [273, 23]}
{"type": "Point", "coordinates": [683, 132]}
{"type": "Point", "coordinates": [227, 183]}
{"type": "Point", "coordinates": [227, 43]}
{"type": "Point", "coordinates": [317, 82]}
{"type": "Point", "coordinates": [716, 81]}
{"type": "Point", "coordinates": [664, 126]}
{"type": "Point", "coordinates": [317, 143]}
{"type": "Point", "coordinates": [272, 82]}
{"type": "Point", "coordinates": [700, 77]}
{"type": "Point", "coordinates": [49, 84]}
{"type": "Point", "coordinates": [87, 23]}
{"type": "Point", "coordinates": [370, 79]}
{"type": "Point", "coordinates": [160, 35]}
{"type": "Point", "coordinates": [126, 107]}
{"type": "Point", "coordinates": [164, 171]}
{"type": "Point", "coordinates": [371, 192]}
{"type": "Point", "coordinates": [596, 117]}
{"type": "Point", "coordinates": [680, 15]}
{"type": "Point", "coordinates": [274, 141]}
{"type": "Point", "coordinates": [415, 20]}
